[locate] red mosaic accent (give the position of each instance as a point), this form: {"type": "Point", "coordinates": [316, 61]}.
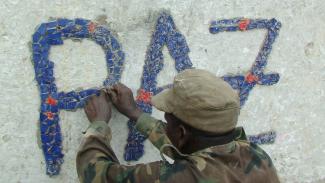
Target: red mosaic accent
{"type": "Point", "coordinates": [144, 96]}
{"type": "Point", "coordinates": [51, 101]}
{"type": "Point", "coordinates": [243, 24]}
{"type": "Point", "coordinates": [250, 78]}
{"type": "Point", "coordinates": [92, 27]}
{"type": "Point", "coordinates": [49, 115]}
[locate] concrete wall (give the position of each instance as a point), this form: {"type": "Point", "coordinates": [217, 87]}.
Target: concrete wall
{"type": "Point", "coordinates": [294, 107]}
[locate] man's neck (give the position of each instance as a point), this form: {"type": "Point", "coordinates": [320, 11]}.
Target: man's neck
{"type": "Point", "coordinates": [202, 142]}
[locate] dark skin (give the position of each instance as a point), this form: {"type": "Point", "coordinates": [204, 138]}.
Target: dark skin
{"type": "Point", "coordinates": [178, 134]}
{"type": "Point", "coordinates": [98, 108]}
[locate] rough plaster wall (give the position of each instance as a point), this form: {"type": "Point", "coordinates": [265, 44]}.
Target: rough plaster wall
{"type": "Point", "coordinates": [294, 107]}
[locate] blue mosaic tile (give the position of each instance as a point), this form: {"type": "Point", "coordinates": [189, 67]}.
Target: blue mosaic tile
{"type": "Point", "coordinates": [263, 138]}
{"type": "Point", "coordinates": [52, 101]}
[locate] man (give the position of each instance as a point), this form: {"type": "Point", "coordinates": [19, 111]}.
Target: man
{"type": "Point", "coordinates": [201, 137]}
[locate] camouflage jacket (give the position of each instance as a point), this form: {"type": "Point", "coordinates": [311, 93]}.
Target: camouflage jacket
{"type": "Point", "coordinates": [237, 161]}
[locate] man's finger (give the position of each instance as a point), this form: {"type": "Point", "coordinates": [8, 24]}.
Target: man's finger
{"type": "Point", "coordinates": [89, 107]}
{"type": "Point", "coordinates": [112, 95]}
{"type": "Point", "coordinates": [107, 97]}
{"type": "Point", "coordinates": [91, 101]}
{"type": "Point", "coordinates": [123, 86]}
{"type": "Point", "coordinates": [102, 94]}
{"type": "Point", "coordinates": [104, 98]}
{"type": "Point", "coordinates": [87, 101]}
{"type": "Point", "coordinates": [115, 86]}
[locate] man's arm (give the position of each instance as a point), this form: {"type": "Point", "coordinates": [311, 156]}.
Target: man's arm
{"type": "Point", "coordinates": [96, 161]}
{"type": "Point", "coordinates": [153, 129]}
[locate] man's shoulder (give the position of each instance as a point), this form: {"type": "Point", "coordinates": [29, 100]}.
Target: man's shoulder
{"type": "Point", "coordinates": [237, 160]}
{"type": "Point", "coordinates": [255, 157]}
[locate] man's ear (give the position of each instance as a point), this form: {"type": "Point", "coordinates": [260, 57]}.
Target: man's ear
{"type": "Point", "coordinates": [183, 136]}
{"type": "Point", "coordinates": [183, 131]}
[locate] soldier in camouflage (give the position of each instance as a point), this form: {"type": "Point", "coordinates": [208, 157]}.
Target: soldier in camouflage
{"type": "Point", "coordinates": [200, 136]}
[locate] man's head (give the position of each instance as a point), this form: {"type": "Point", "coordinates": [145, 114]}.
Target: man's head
{"type": "Point", "coordinates": [185, 137]}
{"type": "Point", "coordinates": [198, 102]}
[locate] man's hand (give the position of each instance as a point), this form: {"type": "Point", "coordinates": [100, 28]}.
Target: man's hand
{"type": "Point", "coordinates": [123, 100]}
{"type": "Point", "coordinates": [98, 108]}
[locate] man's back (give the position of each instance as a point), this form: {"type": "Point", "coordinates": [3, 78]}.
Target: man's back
{"type": "Point", "coordinates": [237, 161]}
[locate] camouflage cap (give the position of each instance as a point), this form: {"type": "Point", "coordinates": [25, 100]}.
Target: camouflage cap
{"type": "Point", "coordinates": [201, 100]}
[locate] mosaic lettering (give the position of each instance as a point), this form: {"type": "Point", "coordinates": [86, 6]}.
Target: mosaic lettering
{"type": "Point", "coordinates": [165, 34]}
{"type": "Point", "coordinates": [52, 101]}
{"type": "Point", "coordinates": [245, 83]}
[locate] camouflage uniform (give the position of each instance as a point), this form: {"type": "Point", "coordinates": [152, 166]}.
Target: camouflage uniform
{"type": "Point", "coordinates": [237, 161]}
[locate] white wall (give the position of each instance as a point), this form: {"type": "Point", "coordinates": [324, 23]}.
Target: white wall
{"type": "Point", "coordinates": [294, 107]}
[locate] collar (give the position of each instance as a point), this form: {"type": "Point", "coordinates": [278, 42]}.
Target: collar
{"type": "Point", "coordinates": [224, 142]}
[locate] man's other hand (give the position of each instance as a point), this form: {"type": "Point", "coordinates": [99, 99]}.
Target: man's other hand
{"type": "Point", "coordinates": [98, 108]}
{"type": "Point", "coordinates": [122, 98]}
